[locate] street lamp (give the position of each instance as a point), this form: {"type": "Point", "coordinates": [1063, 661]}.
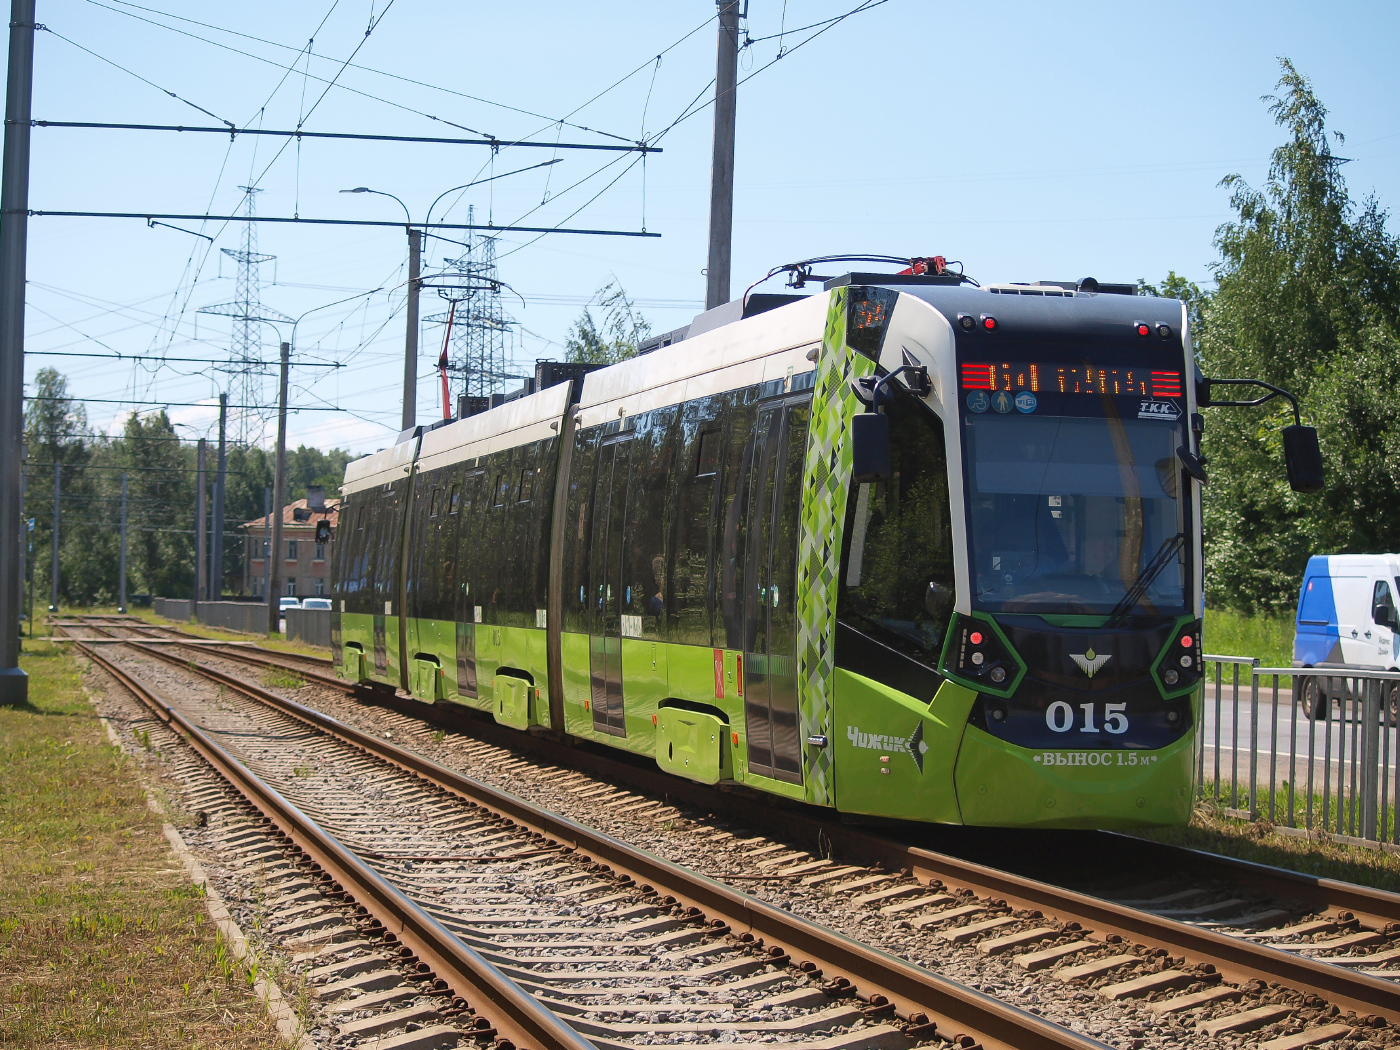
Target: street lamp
{"type": "Point", "coordinates": [410, 347]}
{"type": "Point", "coordinates": [415, 252]}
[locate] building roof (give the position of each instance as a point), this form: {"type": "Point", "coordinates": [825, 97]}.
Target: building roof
{"type": "Point", "coordinates": [289, 521]}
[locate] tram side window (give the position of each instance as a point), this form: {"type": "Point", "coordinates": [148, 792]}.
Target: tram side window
{"type": "Point", "coordinates": [489, 557]}
{"type": "Point", "coordinates": [897, 573]}
{"type": "Point", "coordinates": [362, 542]}
{"type": "Point", "coordinates": [429, 557]}
{"type": "Point", "coordinates": [577, 525]}
{"type": "Point", "coordinates": [468, 548]}
{"type": "Point", "coordinates": [692, 518]}
{"type": "Point", "coordinates": [516, 609]}
{"type": "Point", "coordinates": [730, 541]}
{"type": "Point", "coordinates": [533, 510]}
{"type": "Point", "coordinates": [644, 531]}
{"type": "Point", "coordinates": [386, 571]}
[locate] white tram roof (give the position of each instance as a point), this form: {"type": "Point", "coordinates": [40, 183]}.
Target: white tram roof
{"type": "Point", "coordinates": [741, 353]}
{"type": "Point", "coordinates": [384, 466]}
{"type": "Point", "coordinates": [515, 423]}
{"type": "Point", "coordinates": [770, 345]}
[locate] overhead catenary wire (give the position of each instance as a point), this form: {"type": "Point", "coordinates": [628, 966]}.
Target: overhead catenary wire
{"type": "Point", "coordinates": [173, 404]}
{"type": "Point", "coordinates": [298, 133]}
{"type": "Point", "coordinates": [367, 69]}
{"type": "Point", "coordinates": [133, 73]}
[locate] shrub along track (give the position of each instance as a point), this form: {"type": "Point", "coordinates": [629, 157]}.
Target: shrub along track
{"type": "Point", "coordinates": [541, 899]}
{"type": "Point", "coordinates": [1203, 914]}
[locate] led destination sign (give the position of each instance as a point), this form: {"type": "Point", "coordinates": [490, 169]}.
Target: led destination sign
{"type": "Point", "coordinates": [1049, 377]}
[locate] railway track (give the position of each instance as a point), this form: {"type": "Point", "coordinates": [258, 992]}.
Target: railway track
{"type": "Point", "coordinates": [1309, 957]}
{"type": "Point", "coordinates": [480, 888]}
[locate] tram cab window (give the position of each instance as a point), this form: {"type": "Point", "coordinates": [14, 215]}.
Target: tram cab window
{"type": "Point", "coordinates": [897, 573]}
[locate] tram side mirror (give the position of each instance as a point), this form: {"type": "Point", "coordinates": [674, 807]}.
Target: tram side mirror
{"type": "Point", "coordinates": [870, 447]}
{"type": "Point", "coordinates": [938, 601]}
{"type": "Point", "coordinates": [1303, 458]}
{"type": "Point", "coordinates": [1192, 464]}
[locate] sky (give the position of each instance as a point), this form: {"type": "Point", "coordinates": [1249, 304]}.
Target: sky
{"type": "Point", "coordinates": [1027, 140]}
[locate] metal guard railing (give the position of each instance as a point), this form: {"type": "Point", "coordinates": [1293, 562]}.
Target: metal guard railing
{"type": "Point", "coordinates": [1335, 773]}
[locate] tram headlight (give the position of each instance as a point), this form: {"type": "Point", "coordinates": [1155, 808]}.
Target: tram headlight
{"type": "Point", "coordinates": [996, 713]}
{"type": "Point", "coordinates": [997, 674]}
{"type": "Point", "coordinates": [1170, 676]}
{"type": "Point", "coordinates": [977, 659]}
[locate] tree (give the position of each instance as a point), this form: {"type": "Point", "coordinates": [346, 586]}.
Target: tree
{"type": "Point", "coordinates": [1308, 298]}
{"type": "Point", "coordinates": [622, 331]}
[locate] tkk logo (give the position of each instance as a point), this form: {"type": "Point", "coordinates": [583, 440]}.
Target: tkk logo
{"type": "Point", "coordinates": [1158, 410]}
{"type": "Point", "coordinates": [1089, 662]}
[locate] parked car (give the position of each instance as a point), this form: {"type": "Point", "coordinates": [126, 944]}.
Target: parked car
{"type": "Point", "coordinates": [1347, 619]}
{"type": "Point", "coordinates": [289, 603]}
{"type": "Point", "coordinates": [316, 603]}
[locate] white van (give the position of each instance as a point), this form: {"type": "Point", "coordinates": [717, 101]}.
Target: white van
{"type": "Point", "coordinates": [1347, 618]}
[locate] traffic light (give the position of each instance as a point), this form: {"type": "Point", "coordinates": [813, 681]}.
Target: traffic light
{"type": "Point", "coordinates": [323, 531]}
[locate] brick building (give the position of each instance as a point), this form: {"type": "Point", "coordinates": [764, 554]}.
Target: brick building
{"type": "Point", "coordinates": [306, 564]}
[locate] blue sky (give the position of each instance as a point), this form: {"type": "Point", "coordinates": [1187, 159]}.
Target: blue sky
{"type": "Point", "coordinates": [1031, 141]}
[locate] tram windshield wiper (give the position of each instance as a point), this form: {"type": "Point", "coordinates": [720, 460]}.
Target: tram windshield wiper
{"type": "Point", "coordinates": [1166, 553]}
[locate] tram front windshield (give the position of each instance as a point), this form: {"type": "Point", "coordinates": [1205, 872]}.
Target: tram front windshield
{"type": "Point", "coordinates": [1068, 513]}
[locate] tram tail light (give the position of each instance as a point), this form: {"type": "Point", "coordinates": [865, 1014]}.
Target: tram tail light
{"type": "Point", "coordinates": [979, 656]}
{"type": "Point", "coordinates": [1179, 668]}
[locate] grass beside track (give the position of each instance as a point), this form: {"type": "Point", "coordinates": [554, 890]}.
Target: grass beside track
{"type": "Point", "coordinates": [1212, 830]}
{"type": "Point", "coordinates": [103, 940]}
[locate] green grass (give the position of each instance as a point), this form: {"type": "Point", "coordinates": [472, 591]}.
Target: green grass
{"type": "Point", "coordinates": [1212, 830]}
{"type": "Point", "coordinates": [103, 940]}
{"type": "Point", "coordinates": [280, 678]}
{"type": "Point", "coordinates": [1269, 638]}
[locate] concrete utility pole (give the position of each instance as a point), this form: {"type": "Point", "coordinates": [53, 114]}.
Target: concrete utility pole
{"type": "Point", "coordinates": [410, 348]}
{"type": "Point", "coordinates": [199, 523]}
{"type": "Point", "coordinates": [279, 499]}
{"type": "Point", "coordinates": [53, 576]}
{"type": "Point", "coordinates": [121, 562]}
{"type": "Point", "coordinates": [267, 540]}
{"type": "Point", "coordinates": [14, 211]}
{"type": "Point", "coordinates": [722, 164]}
{"type": "Point", "coordinates": [216, 546]}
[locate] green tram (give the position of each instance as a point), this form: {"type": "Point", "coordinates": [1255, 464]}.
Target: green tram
{"type": "Point", "coordinates": [904, 548]}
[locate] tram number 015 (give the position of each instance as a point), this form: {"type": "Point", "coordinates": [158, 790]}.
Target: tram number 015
{"type": "Point", "coordinates": [1060, 717]}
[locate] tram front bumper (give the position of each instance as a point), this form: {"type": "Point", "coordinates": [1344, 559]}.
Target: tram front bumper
{"type": "Point", "coordinates": [1003, 785]}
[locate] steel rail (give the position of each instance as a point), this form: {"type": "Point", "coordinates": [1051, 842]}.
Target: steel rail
{"type": "Point", "coordinates": [512, 1012]}
{"type": "Point", "coordinates": [926, 1001]}
{"type": "Point", "coordinates": [1235, 958]}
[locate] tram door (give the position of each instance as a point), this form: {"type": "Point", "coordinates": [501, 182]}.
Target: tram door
{"type": "Point", "coordinates": [605, 587]}
{"type": "Point", "coordinates": [770, 576]}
